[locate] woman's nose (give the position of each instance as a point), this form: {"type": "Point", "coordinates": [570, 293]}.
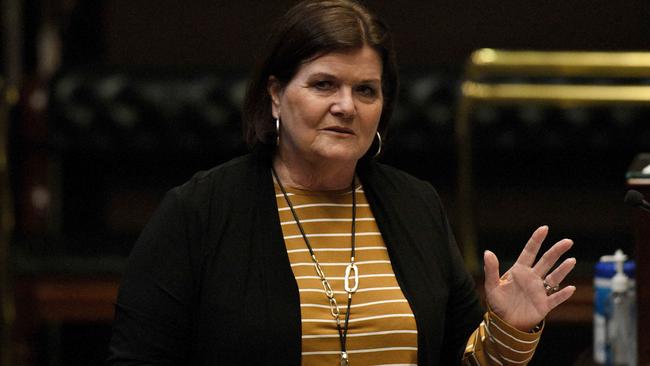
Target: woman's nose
{"type": "Point", "coordinates": [344, 105]}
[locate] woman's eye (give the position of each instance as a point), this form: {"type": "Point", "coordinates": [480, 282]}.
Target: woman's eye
{"type": "Point", "coordinates": [367, 91]}
{"type": "Point", "coordinates": [323, 85]}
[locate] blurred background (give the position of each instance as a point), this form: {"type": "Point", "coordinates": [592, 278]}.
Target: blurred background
{"type": "Point", "coordinates": [107, 104]}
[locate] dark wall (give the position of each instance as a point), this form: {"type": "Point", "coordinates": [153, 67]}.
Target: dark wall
{"type": "Point", "coordinates": [229, 33]}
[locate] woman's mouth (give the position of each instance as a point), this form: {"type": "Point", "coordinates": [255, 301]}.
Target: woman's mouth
{"type": "Point", "coordinates": [339, 129]}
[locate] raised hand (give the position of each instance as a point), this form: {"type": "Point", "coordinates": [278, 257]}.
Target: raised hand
{"type": "Point", "coordinates": [525, 294]}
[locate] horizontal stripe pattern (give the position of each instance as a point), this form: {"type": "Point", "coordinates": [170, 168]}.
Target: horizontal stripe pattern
{"type": "Point", "coordinates": [386, 332]}
{"type": "Point", "coordinates": [356, 320]}
{"type": "Point", "coordinates": [327, 220]}
{"type": "Point", "coordinates": [497, 343]}
{"type": "Point", "coordinates": [322, 205]}
{"type": "Point", "coordinates": [368, 350]}
{"type": "Point", "coordinates": [339, 264]}
{"type": "Point", "coordinates": [382, 329]}
{"type": "Point", "coordinates": [332, 235]}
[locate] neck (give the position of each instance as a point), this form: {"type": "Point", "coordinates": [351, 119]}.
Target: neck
{"type": "Point", "coordinates": [320, 176]}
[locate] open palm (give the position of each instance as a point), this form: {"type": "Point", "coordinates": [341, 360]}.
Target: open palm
{"type": "Point", "coordinates": [519, 296]}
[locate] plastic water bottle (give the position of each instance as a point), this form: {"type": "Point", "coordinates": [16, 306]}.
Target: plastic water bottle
{"type": "Point", "coordinates": [605, 305]}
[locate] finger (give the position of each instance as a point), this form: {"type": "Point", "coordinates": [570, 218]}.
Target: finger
{"type": "Point", "coordinates": [491, 269]}
{"type": "Point", "coordinates": [547, 261]}
{"type": "Point", "coordinates": [559, 274]}
{"type": "Point", "coordinates": [560, 296]}
{"type": "Point", "coordinates": [528, 255]}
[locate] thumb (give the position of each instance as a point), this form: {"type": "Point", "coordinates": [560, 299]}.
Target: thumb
{"type": "Point", "coordinates": [491, 269]}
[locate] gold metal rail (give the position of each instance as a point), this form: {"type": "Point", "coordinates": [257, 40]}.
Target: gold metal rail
{"type": "Point", "coordinates": [561, 64]}
{"type": "Point", "coordinates": [8, 97]}
{"type": "Point", "coordinates": [477, 89]}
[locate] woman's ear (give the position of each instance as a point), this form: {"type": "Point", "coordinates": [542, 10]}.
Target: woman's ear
{"type": "Point", "coordinates": [275, 92]}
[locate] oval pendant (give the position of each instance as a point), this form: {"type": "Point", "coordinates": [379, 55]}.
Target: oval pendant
{"type": "Point", "coordinates": [353, 270]}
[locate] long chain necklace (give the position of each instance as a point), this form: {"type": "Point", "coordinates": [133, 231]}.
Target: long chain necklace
{"type": "Point", "coordinates": [351, 271]}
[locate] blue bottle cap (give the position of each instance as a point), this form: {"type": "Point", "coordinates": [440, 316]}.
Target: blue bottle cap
{"type": "Point", "coordinates": [608, 269]}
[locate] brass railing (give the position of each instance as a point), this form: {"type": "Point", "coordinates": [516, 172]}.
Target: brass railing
{"type": "Point", "coordinates": [8, 97]}
{"type": "Point", "coordinates": [477, 89]}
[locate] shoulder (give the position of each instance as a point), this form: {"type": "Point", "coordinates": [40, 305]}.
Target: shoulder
{"type": "Point", "coordinates": [225, 180]}
{"type": "Point", "coordinates": [212, 199]}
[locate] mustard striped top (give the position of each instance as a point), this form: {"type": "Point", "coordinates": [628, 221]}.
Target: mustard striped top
{"type": "Point", "coordinates": [382, 328]}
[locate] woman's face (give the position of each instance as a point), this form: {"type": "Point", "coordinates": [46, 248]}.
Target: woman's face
{"type": "Point", "coordinates": [330, 110]}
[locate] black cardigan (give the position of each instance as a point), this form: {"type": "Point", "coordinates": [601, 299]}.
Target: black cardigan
{"type": "Point", "coordinates": [209, 280]}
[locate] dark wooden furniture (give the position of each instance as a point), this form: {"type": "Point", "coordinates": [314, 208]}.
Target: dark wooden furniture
{"type": "Point", "coordinates": [566, 163]}
{"type": "Point", "coordinates": [49, 300]}
{"type": "Point", "coordinates": [641, 223]}
{"type": "Point", "coordinates": [56, 299]}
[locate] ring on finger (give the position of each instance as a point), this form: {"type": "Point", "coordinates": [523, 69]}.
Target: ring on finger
{"type": "Point", "coordinates": [550, 289]}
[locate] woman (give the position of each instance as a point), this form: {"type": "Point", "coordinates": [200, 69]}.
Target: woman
{"type": "Point", "coordinates": [306, 251]}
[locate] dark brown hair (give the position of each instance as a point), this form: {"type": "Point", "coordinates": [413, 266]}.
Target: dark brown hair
{"type": "Point", "coordinates": [309, 30]}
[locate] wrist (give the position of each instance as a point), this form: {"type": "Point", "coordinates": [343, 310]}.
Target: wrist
{"type": "Point", "coordinates": [534, 327]}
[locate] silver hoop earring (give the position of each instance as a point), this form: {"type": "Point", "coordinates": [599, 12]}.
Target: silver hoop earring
{"type": "Point", "coordinates": [277, 131]}
{"type": "Point", "coordinates": [378, 145]}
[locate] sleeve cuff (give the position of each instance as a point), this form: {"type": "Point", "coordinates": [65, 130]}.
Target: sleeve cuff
{"type": "Point", "coordinates": [493, 319]}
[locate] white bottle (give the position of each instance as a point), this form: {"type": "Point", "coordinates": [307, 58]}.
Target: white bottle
{"type": "Point", "coordinates": [621, 322]}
